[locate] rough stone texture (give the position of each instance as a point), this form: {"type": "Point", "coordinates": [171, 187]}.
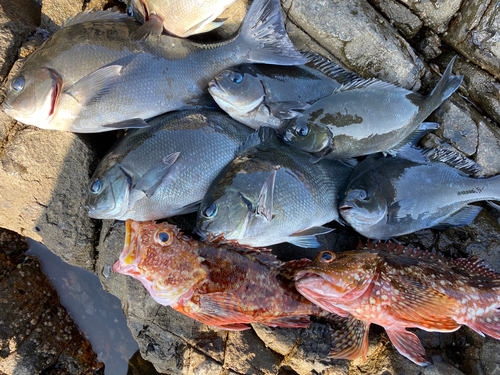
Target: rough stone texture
{"type": "Point", "coordinates": [475, 33]}
{"type": "Point", "coordinates": [436, 14]}
{"type": "Point", "coordinates": [36, 333]}
{"type": "Point", "coordinates": [400, 16]}
{"type": "Point", "coordinates": [55, 12]}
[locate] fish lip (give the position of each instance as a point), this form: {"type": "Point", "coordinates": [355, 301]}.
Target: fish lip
{"type": "Point", "coordinates": [345, 207]}
{"type": "Point", "coordinates": [131, 235]}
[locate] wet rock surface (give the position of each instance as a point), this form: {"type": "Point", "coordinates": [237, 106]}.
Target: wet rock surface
{"type": "Point", "coordinates": [44, 177]}
{"type": "Point", "coordinates": [36, 333]}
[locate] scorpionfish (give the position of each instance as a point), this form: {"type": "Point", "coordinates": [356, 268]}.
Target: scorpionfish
{"type": "Point", "coordinates": [218, 283]}
{"type": "Point", "coordinates": [398, 286]}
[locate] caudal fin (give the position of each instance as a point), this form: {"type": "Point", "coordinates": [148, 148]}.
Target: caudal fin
{"type": "Point", "coordinates": [446, 86]}
{"type": "Point", "coordinates": [263, 34]}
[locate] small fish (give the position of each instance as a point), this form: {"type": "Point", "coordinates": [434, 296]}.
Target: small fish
{"type": "Point", "coordinates": [181, 18]}
{"type": "Point", "coordinates": [272, 193]}
{"type": "Point", "coordinates": [368, 116]}
{"type": "Point", "coordinates": [165, 169]}
{"type": "Point", "coordinates": [98, 73]}
{"type": "Point", "coordinates": [387, 197]}
{"type": "Point", "coordinates": [399, 287]}
{"type": "Point", "coordinates": [224, 285]}
{"type": "Point", "coordinates": [267, 95]}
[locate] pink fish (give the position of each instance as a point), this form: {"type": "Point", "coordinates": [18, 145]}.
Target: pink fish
{"type": "Point", "coordinates": [398, 286]}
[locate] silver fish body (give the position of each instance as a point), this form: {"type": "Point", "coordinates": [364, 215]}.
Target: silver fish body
{"type": "Point", "coordinates": [367, 116]}
{"type": "Point", "coordinates": [268, 95]}
{"type": "Point", "coordinates": [271, 194]}
{"type": "Point", "coordinates": [95, 75]}
{"type": "Point", "coordinates": [165, 169]}
{"type": "Point", "coordinates": [391, 196]}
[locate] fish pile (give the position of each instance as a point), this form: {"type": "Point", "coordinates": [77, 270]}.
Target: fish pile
{"type": "Point", "coordinates": [263, 141]}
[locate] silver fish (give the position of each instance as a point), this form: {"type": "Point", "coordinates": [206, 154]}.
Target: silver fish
{"type": "Point", "coordinates": [391, 196]}
{"type": "Point", "coordinates": [267, 95]}
{"type": "Point", "coordinates": [181, 18]}
{"type": "Point", "coordinates": [165, 169]}
{"type": "Point", "coordinates": [96, 74]}
{"type": "Point", "coordinates": [271, 194]}
{"type": "Point", "coordinates": [368, 116]}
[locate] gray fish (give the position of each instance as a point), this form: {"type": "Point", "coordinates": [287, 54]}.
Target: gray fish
{"type": "Point", "coordinates": [266, 95]}
{"type": "Point", "coordinates": [98, 73]}
{"type": "Point", "coordinates": [178, 17]}
{"type": "Point", "coordinates": [368, 116]}
{"type": "Point", "coordinates": [165, 169]}
{"type": "Point", "coordinates": [270, 194]}
{"type": "Point", "coordinates": [391, 196]}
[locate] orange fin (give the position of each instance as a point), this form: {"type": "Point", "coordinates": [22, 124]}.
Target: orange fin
{"type": "Point", "coordinates": [350, 340]}
{"type": "Point", "coordinates": [408, 345]}
{"type": "Point", "coordinates": [234, 327]}
{"type": "Point", "coordinates": [221, 309]}
{"type": "Point", "coordinates": [298, 321]}
{"type": "Point", "coordinates": [477, 267]}
{"type": "Point", "coordinates": [486, 324]}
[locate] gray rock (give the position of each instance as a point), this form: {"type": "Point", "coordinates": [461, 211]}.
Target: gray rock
{"type": "Point", "coordinates": [55, 12]}
{"type": "Point", "coordinates": [400, 16]}
{"type": "Point", "coordinates": [436, 14]}
{"type": "Point", "coordinates": [431, 46]}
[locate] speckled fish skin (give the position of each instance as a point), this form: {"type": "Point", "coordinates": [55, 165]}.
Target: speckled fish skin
{"type": "Point", "coordinates": [267, 95]}
{"type": "Point", "coordinates": [181, 17]}
{"type": "Point", "coordinates": [219, 284]}
{"type": "Point", "coordinates": [96, 75]}
{"type": "Point", "coordinates": [366, 116]}
{"type": "Point", "coordinates": [270, 194]}
{"type": "Point", "coordinates": [399, 287]}
{"type": "Point", "coordinates": [206, 141]}
{"type": "Point", "coordinates": [390, 196]}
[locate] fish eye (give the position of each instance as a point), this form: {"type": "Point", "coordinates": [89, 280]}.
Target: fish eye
{"type": "Point", "coordinates": [326, 257]}
{"type": "Point", "coordinates": [210, 211]}
{"type": "Point", "coordinates": [236, 77]}
{"type": "Point", "coordinates": [163, 238]}
{"type": "Point", "coordinates": [95, 188]}
{"type": "Point", "coordinates": [302, 130]}
{"type": "Point", "coordinates": [363, 195]}
{"type": "Point", "coordinates": [18, 84]}
{"type": "Point", "coordinates": [130, 11]}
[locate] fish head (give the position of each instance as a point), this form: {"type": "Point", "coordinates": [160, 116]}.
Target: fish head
{"type": "Point", "coordinates": [108, 193]}
{"type": "Point", "coordinates": [340, 277]}
{"type": "Point", "coordinates": [33, 96]}
{"type": "Point", "coordinates": [308, 136]}
{"type": "Point", "coordinates": [138, 9]}
{"type": "Point", "coordinates": [364, 205]}
{"type": "Point", "coordinates": [162, 259]}
{"type": "Point", "coordinates": [238, 91]}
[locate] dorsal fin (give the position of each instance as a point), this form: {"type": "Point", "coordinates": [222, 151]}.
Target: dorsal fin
{"type": "Point", "coordinates": [477, 267]}
{"type": "Point", "coordinates": [372, 83]}
{"type": "Point", "coordinates": [329, 68]}
{"type": "Point", "coordinates": [95, 16]}
{"type": "Point", "coordinates": [409, 251]}
{"type": "Point", "coordinates": [453, 159]}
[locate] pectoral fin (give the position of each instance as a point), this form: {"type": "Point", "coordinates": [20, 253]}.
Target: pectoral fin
{"type": "Point", "coordinates": [134, 123]}
{"type": "Point", "coordinates": [287, 110]}
{"type": "Point", "coordinates": [350, 339]}
{"type": "Point", "coordinates": [202, 27]}
{"type": "Point", "coordinates": [408, 345]}
{"type": "Point", "coordinates": [150, 180]}
{"type": "Point", "coordinates": [402, 208]}
{"type": "Point", "coordinates": [152, 28]}
{"type": "Point", "coordinates": [265, 202]}
{"type": "Point", "coordinates": [222, 309]}
{"type": "Point", "coordinates": [307, 237]}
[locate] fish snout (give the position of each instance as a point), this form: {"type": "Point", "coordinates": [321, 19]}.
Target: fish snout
{"type": "Point", "coordinates": [346, 206]}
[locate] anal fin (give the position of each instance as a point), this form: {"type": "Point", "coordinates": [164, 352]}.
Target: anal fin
{"type": "Point", "coordinates": [299, 321]}
{"type": "Point", "coordinates": [464, 216]}
{"type": "Point", "coordinates": [408, 345]}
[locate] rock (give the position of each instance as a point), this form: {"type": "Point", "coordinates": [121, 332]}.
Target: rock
{"type": "Point", "coordinates": [36, 333]}
{"type": "Point", "coordinates": [431, 46]}
{"type": "Point", "coordinates": [400, 17]}
{"type": "Point", "coordinates": [55, 12]}
{"type": "Point", "coordinates": [435, 14]}
{"type": "Point", "coordinates": [359, 37]}
{"type": "Point", "coordinates": [475, 32]}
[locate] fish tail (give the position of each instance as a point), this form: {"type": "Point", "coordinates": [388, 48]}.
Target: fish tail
{"type": "Point", "coordinates": [487, 324]}
{"type": "Point", "coordinates": [446, 86]}
{"type": "Point", "coordinates": [263, 34]}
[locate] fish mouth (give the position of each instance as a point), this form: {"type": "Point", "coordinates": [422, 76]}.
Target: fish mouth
{"type": "Point", "coordinates": [345, 207]}
{"type": "Point", "coordinates": [130, 255]}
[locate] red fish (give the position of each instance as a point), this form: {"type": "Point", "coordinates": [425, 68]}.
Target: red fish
{"type": "Point", "coordinates": [398, 286]}
{"type": "Point", "coordinates": [220, 284]}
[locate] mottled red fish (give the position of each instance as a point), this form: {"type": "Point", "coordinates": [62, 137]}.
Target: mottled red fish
{"type": "Point", "coordinates": [398, 286]}
{"type": "Point", "coordinates": [220, 284]}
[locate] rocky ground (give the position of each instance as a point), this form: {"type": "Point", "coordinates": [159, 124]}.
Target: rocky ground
{"type": "Point", "coordinates": [44, 176]}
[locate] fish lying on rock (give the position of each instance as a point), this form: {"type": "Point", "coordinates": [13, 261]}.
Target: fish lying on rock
{"type": "Point", "coordinates": [181, 18]}
{"type": "Point", "coordinates": [399, 287]}
{"type": "Point", "coordinates": [221, 284]}
{"type": "Point", "coordinates": [271, 193]}
{"type": "Point", "coordinates": [267, 95]}
{"type": "Point", "coordinates": [368, 116]}
{"type": "Point", "coordinates": [387, 197]}
{"type": "Point", "coordinates": [96, 74]}
{"type": "Point", "coordinates": [165, 169]}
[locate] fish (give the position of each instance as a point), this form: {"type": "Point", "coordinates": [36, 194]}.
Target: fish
{"type": "Point", "coordinates": [271, 193]}
{"type": "Point", "coordinates": [268, 95]}
{"type": "Point", "coordinates": [399, 287]}
{"type": "Point", "coordinates": [386, 197]}
{"type": "Point", "coordinates": [96, 74]}
{"type": "Point", "coordinates": [180, 18]}
{"type": "Point", "coordinates": [165, 169]}
{"type": "Point", "coordinates": [218, 283]}
{"type": "Point", "coordinates": [367, 116]}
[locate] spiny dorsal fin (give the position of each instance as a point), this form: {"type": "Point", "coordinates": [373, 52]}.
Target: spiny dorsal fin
{"type": "Point", "coordinates": [329, 68]}
{"type": "Point", "coordinates": [372, 83]}
{"type": "Point", "coordinates": [409, 251]}
{"type": "Point", "coordinates": [476, 266]}
{"type": "Point", "coordinates": [95, 16]}
{"type": "Point", "coordinates": [453, 159]}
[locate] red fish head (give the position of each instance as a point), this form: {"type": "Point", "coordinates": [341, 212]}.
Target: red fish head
{"type": "Point", "coordinates": [163, 259]}
{"type": "Point", "coordinates": [335, 278]}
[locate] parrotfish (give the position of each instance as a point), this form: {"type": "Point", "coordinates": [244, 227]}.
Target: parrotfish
{"type": "Point", "coordinates": [399, 287]}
